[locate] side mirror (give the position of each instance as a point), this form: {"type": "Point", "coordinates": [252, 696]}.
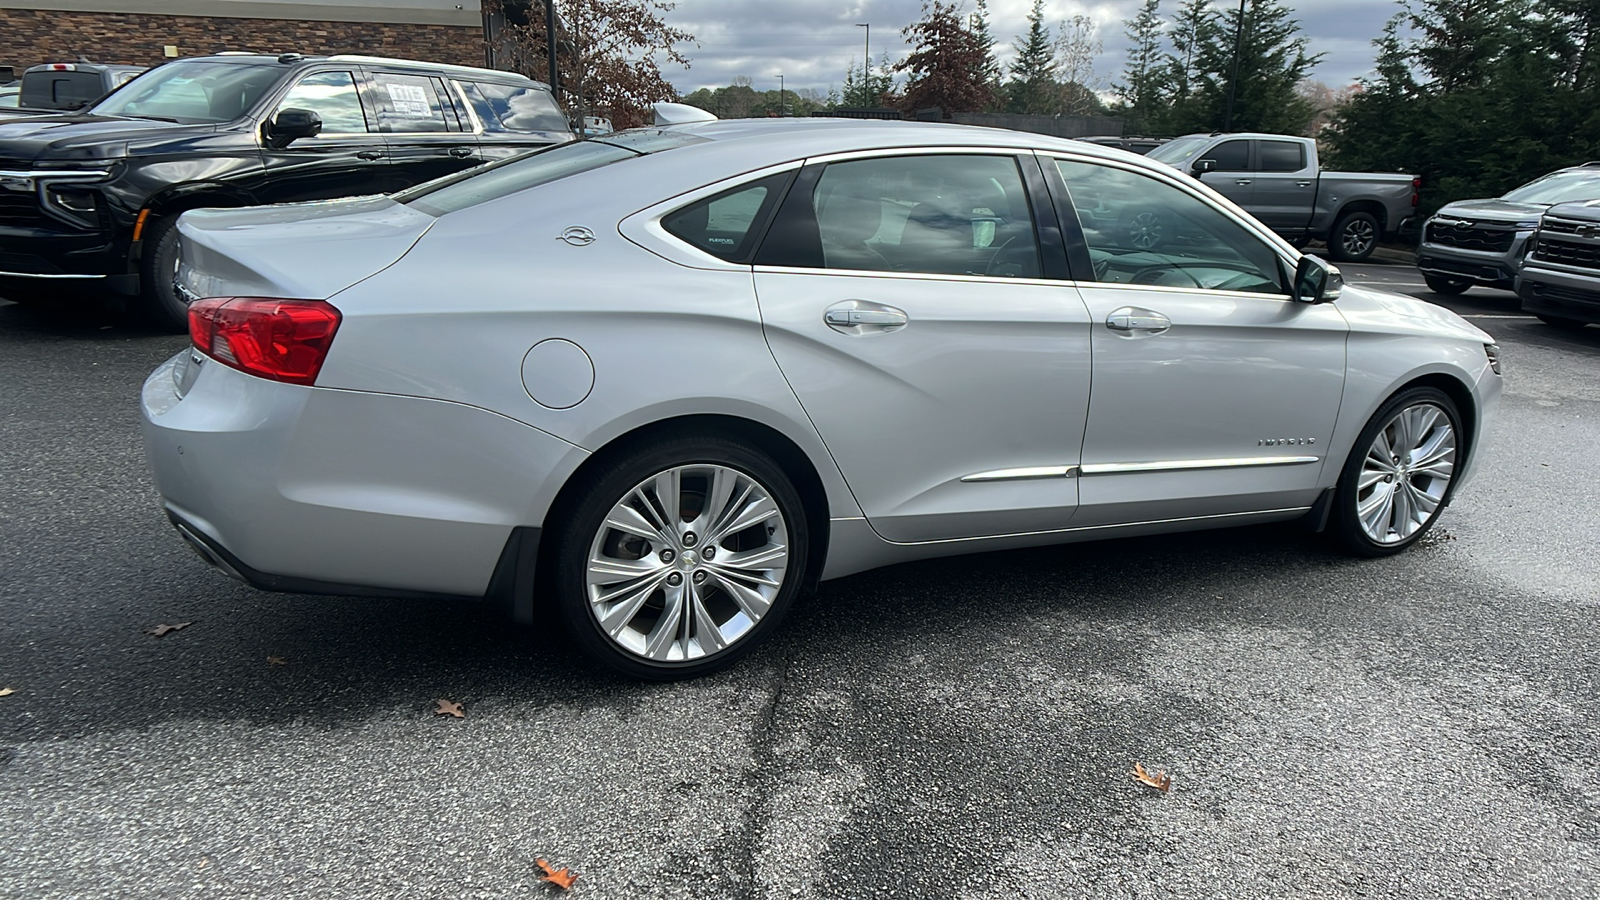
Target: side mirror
{"type": "Point", "coordinates": [291, 125]}
{"type": "Point", "coordinates": [1316, 282]}
{"type": "Point", "coordinates": [1203, 166]}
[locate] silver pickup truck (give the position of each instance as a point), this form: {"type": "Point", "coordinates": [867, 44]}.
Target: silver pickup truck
{"type": "Point", "coordinates": [1277, 179]}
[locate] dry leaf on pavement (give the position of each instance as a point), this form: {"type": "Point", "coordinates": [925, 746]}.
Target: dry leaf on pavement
{"type": "Point", "coordinates": [1161, 781]}
{"type": "Point", "coordinates": [6, 692]}
{"type": "Point", "coordinates": [447, 708]}
{"type": "Point", "coordinates": [162, 630]}
{"type": "Point", "coordinates": [277, 661]}
{"type": "Point", "coordinates": [561, 878]}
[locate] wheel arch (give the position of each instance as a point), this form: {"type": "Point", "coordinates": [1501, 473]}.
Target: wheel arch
{"type": "Point", "coordinates": [1378, 211]}
{"type": "Point", "coordinates": [1460, 394]}
{"type": "Point", "coordinates": [788, 454]}
{"type": "Point", "coordinates": [197, 195]}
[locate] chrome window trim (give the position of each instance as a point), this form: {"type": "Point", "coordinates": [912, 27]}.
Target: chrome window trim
{"type": "Point", "coordinates": [1025, 473]}
{"type": "Point", "coordinates": [1209, 292]}
{"type": "Point", "coordinates": [928, 150]}
{"type": "Point", "coordinates": [56, 174]}
{"type": "Point", "coordinates": [36, 275]}
{"type": "Point", "coordinates": [1174, 178]}
{"type": "Point", "coordinates": [1180, 465]}
{"type": "Point", "coordinates": [921, 276]}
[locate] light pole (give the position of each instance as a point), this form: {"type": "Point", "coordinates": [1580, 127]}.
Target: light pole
{"type": "Point", "coordinates": [866, 48]}
{"type": "Point", "coordinates": [782, 108]}
{"type": "Point", "coordinates": [1233, 80]}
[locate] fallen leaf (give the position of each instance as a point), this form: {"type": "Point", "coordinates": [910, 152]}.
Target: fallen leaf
{"type": "Point", "coordinates": [447, 708]}
{"type": "Point", "coordinates": [561, 878]}
{"type": "Point", "coordinates": [6, 692]}
{"type": "Point", "coordinates": [162, 630]}
{"type": "Point", "coordinates": [277, 661]}
{"type": "Point", "coordinates": [1161, 781]}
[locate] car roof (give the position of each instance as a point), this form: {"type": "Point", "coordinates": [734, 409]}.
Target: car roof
{"type": "Point", "coordinates": [300, 59]}
{"type": "Point", "coordinates": [823, 135]}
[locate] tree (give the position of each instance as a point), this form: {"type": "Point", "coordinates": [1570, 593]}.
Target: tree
{"type": "Point", "coordinates": [1076, 47]}
{"type": "Point", "coordinates": [868, 89]}
{"type": "Point", "coordinates": [1271, 62]}
{"type": "Point", "coordinates": [609, 57]}
{"type": "Point", "coordinates": [1032, 85]}
{"type": "Point", "coordinates": [948, 64]}
{"type": "Point", "coordinates": [979, 26]}
{"type": "Point", "coordinates": [1141, 95]}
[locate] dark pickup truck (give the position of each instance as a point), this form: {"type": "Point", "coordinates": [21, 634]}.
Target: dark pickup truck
{"type": "Point", "coordinates": [92, 199]}
{"type": "Point", "coordinates": [54, 87]}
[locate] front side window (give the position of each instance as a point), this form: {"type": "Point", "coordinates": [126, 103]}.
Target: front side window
{"type": "Point", "coordinates": [944, 215]}
{"type": "Point", "coordinates": [333, 96]}
{"type": "Point", "coordinates": [1143, 231]}
{"type": "Point", "coordinates": [407, 104]}
{"type": "Point", "coordinates": [192, 92]}
{"type": "Point", "coordinates": [1230, 156]}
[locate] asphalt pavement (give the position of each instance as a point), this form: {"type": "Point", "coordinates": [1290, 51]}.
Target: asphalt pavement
{"type": "Point", "coordinates": [1420, 726]}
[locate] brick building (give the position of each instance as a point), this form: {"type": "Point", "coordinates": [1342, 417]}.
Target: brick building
{"type": "Point", "coordinates": [147, 32]}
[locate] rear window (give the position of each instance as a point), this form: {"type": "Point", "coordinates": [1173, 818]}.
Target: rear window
{"type": "Point", "coordinates": [510, 107]}
{"type": "Point", "coordinates": [500, 179]}
{"type": "Point", "coordinates": [61, 90]}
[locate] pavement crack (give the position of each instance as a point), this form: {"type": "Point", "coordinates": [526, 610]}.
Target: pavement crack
{"type": "Point", "coordinates": [763, 778]}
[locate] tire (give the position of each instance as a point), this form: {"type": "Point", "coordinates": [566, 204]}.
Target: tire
{"type": "Point", "coordinates": [614, 586]}
{"type": "Point", "coordinates": [1368, 519]}
{"type": "Point", "coordinates": [1447, 286]}
{"type": "Point", "coordinates": [1300, 242]}
{"type": "Point", "coordinates": [1354, 237]}
{"type": "Point", "coordinates": [1559, 322]}
{"type": "Point", "coordinates": [158, 269]}
{"type": "Point", "coordinates": [1142, 229]}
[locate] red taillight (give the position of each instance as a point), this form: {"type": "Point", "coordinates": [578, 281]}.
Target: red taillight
{"type": "Point", "coordinates": [284, 340]}
{"type": "Point", "coordinates": [1416, 191]}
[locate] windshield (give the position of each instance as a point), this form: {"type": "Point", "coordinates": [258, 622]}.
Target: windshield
{"type": "Point", "coordinates": [485, 183]}
{"type": "Point", "coordinates": [1179, 150]}
{"type": "Point", "coordinates": [1559, 187]}
{"type": "Point", "coordinates": [193, 92]}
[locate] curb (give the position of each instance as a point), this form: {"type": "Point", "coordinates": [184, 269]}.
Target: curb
{"type": "Point", "coordinates": [1395, 254]}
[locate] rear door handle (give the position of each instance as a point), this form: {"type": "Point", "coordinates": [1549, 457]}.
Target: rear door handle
{"type": "Point", "coordinates": [863, 317]}
{"type": "Point", "coordinates": [461, 152]}
{"type": "Point", "coordinates": [1242, 181]}
{"type": "Point", "coordinates": [369, 154]}
{"type": "Point", "coordinates": [1134, 321]}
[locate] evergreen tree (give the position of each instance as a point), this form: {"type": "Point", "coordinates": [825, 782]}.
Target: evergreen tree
{"type": "Point", "coordinates": [979, 26]}
{"type": "Point", "coordinates": [865, 88]}
{"type": "Point", "coordinates": [1032, 87]}
{"type": "Point", "coordinates": [1141, 95]}
{"type": "Point", "coordinates": [947, 63]}
{"type": "Point", "coordinates": [1271, 62]}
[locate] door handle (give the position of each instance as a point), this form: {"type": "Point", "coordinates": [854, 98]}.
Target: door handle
{"type": "Point", "coordinates": [862, 317]}
{"type": "Point", "coordinates": [461, 152]}
{"type": "Point", "coordinates": [1133, 321]}
{"type": "Point", "coordinates": [1302, 184]}
{"type": "Point", "coordinates": [1242, 181]}
{"type": "Point", "coordinates": [369, 154]}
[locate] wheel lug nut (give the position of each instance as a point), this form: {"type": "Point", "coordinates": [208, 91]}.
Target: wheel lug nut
{"type": "Point", "coordinates": [699, 578]}
{"type": "Point", "coordinates": [689, 539]}
{"type": "Point", "coordinates": [709, 553]}
{"type": "Point", "coordinates": [675, 579]}
{"type": "Point", "coordinates": [668, 556]}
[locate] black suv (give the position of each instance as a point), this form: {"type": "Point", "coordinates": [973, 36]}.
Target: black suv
{"type": "Point", "coordinates": [94, 198]}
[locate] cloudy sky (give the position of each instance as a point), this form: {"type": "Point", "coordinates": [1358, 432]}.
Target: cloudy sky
{"type": "Point", "coordinates": [810, 42]}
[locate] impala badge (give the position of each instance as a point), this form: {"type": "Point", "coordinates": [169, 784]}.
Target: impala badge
{"type": "Point", "coordinates": [577, 236]}
{"type": "Point", "coordinates": [1284, 442]}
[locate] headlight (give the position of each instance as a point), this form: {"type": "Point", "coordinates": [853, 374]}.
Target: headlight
{"type": "Point", "coordinates": [1493, 352]}
{"type": "Point", "coordinates": [72, 204]}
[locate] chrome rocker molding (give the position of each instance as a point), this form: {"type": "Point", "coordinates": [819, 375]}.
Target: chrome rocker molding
{"type": "Point", "coordinates": [1032, 472]}
{"type": "Point", "coordinates": [36, 275]}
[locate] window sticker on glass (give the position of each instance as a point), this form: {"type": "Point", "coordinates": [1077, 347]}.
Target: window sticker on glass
{"type": "Point", "coordinates": [410, 101]}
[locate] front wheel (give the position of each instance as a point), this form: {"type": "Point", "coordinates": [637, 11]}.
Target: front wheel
{"type": "Point", "coordinates": [1354, 237]}
{"type": "Point", "coordinates": [1448, 286]}
{"type": "Point", "coordinates": [158, 275]}
{"type": "Point", "coordinates": [1399, 474]}
{"type": "Point", "coordinates": [680, 557]}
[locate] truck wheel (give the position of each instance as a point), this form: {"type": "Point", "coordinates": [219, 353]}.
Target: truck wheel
{"type": "Point", "coordinates": [1354, 237]}
{"type": "Point", "coordinates": [157, 272]}
{"type": "Point", "coordinates": [1441, 285]}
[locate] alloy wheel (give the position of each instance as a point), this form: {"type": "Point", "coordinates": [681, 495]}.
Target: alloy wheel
{"type": "Point", "coordinates": [1358, 237]}
{"type": "Point", "coordinates": [687, 563]}
{"type": "Point", "coordinates": [1406, 473]}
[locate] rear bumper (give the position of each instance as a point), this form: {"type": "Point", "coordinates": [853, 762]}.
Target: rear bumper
{"type": "Point", "coordinates": [321, 491]}
{"type": "Point", "coordinates": [1556, 292]}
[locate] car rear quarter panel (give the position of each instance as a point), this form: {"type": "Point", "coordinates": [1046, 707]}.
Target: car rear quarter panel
{"type": "Point", "coordinates": [456, 317]}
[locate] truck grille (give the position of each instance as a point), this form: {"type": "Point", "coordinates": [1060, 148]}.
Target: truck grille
{"type": "Point", "coordinates": [1552, 225]}
{"type": "Point", "coordinates": [1568, 253]}
{"type": "Point", "coordinates": [1470, 237]}
{"type": "Point", "coordinates": [20, 209]}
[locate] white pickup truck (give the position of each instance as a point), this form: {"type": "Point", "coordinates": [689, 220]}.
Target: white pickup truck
{"type": "Point", "coordinates": [1276, 178]}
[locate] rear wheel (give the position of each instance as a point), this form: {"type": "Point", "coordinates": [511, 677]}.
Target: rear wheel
{"type": "Point", "coordinates": [158, 274]}
{"type": "Point", "coordinates": [680, 558]}
{"type": "Point", "coordinates": [1442, 285]}
{"type": "Point", "coordinates": [1400, 473]}
{"type": "Point", "coordinates": [1354, 237]}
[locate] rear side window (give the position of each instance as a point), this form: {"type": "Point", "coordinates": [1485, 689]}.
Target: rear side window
{"type": "Point", "coordinates": [511, 107]}
{"type": "Point", "coordinates": [407, 104]}
{"type": "Point", "coordinates": [1282, 156]}
{"type": "Point", "coordinates": [728, 224]}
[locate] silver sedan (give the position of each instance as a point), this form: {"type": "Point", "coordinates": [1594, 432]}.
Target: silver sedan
{"type": "Point", "coordinates": [662, 381]}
